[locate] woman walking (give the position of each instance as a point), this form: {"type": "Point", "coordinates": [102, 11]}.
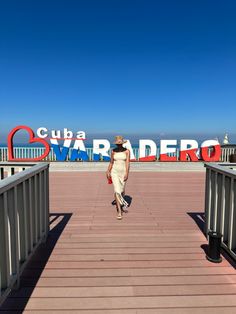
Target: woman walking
{"type": "Point", "coordinates": [118, 171]}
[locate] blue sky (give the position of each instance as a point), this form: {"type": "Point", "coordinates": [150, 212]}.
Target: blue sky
{"type": "Point", "coordinates": [130, 67]}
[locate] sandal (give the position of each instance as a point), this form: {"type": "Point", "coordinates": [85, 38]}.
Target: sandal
{"type": "Point", "coordinates": [119, 217]}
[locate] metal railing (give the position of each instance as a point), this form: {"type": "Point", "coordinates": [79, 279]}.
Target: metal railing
{"type": "Point", "coordinates": [220, 203]}
{"type": "Point", "coordinates": [226, 152]}
{"type": "Point", "coordinates": [24, 221]}
{"type": "Point", "coordinates": [8, 169]}
{"type": "Point", "coordinates": [31, 152]}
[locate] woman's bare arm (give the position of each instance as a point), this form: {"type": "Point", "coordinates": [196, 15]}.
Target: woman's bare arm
{"type": "Point", "coordinates": [127, 163]}
{"type": "Point", "coordinates": [110, 164]}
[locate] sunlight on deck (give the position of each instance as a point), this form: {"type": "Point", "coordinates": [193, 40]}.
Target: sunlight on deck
{"type": "Point", "coordinates": [152, 261]}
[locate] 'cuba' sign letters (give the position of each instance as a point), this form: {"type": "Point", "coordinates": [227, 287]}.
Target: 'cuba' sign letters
{"type": "Point", "coordinates": [189, 150]}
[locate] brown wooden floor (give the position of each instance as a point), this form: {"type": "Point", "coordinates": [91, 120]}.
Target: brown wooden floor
{"type": "Point", "coordinates": [149, 262]}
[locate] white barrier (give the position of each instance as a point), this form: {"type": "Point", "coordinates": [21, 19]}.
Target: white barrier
{"type": "Point", "coordinates": [24, 221]}
{"type": "Point", "coordinates": [31, 152]}
{"type": "Point", "coordinates": [220, 203]}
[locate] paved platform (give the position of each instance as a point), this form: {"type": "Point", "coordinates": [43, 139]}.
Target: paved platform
{"type": "Point", "coordinates": [134, 166]}
{"type": "Point", "coordinates": [152, 261]}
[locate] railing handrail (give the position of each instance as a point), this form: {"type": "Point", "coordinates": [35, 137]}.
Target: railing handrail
{"type": "Point", "coordinates": [221, 168]}
{"type": "Point", "coordinates": [11, 181]}
{"type": "Point", "coordinates": [16, 164]}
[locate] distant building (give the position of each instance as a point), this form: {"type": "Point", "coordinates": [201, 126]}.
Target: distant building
{"type": "Point", "coordinates": [226, 139]}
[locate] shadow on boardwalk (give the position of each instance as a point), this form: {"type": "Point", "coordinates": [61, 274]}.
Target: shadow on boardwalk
{"type": "Point", "coordinates": [199, 218]}
{"type": "Point", "coordinates": [32, 272]}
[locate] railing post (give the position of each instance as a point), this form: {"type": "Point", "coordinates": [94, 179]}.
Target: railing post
{"type": "Point", "coordinates": [222, 222]}
{"type": "Point", "coordinates": [35, 208]}
{"type": "Point", "coordinates": [207, 200]}
{"type": "Point", "coordinates": [31, 221]}
{"type": "Point", "coordinates": [231, 214]}
{"type": "Point", "coordinates": [1, 173]}
{"type": "Point", "coordinates": [215, 213]}
{"type": "Point", "coordinates": [47, 200]}
{"type": "Point", "coordinates": [40, 204]}
{"type": "Point", "coordinates": [25, 222]}
{"type": "Point", "coordinates": [4, 244]}
{"type": "Point", "coordinates": [16, 239]}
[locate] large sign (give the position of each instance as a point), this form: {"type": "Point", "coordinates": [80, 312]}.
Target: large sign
{"type": "Point", "coordinates": [60, 142]}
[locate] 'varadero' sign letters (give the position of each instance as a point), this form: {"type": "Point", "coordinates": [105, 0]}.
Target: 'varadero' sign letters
{"type": "Point", "coordinates": [61, 142]}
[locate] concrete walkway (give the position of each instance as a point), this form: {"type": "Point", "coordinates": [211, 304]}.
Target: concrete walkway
{"type": "Point", "coordinates": [152, 261]}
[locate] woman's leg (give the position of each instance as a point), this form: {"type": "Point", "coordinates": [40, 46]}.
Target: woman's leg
{"type": "Point", "coordinates": [123, 195]}
{"type": "Point", "coordinates": [118, 206]}
{"type": "Point", "coordinates": [117, 189]}
{"type": "Point", "coordinates": [123, 189]}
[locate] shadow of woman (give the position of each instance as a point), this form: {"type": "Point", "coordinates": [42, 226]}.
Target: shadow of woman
{"type": "Point", "coordinates": [127, 198]}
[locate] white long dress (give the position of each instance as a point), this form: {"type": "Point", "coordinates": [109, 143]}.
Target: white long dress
{"type": "Point", "coordinates": [118, 172]}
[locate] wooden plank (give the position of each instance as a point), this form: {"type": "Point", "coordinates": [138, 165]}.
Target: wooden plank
{"type": "Point", "coordinates": [127, 281]}
{"type": "Point", "coordinates": [175, 271]}
{"type": "Point", "coordinates": [118, 291]}
{"type": "Point", "coordinates": [123, 302]}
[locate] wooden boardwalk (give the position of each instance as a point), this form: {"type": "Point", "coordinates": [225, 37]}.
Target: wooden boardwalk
{"type": "Point", "coordinates": [152, 261]}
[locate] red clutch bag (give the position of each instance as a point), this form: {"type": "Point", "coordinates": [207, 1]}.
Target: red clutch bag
{"type": "Point", "coordinates": [110, 181]}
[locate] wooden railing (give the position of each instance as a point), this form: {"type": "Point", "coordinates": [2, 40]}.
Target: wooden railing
{"type": "Point", "coordinates": [24, 220]}
{"type": "Point", "coordinates": [220, 203]}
